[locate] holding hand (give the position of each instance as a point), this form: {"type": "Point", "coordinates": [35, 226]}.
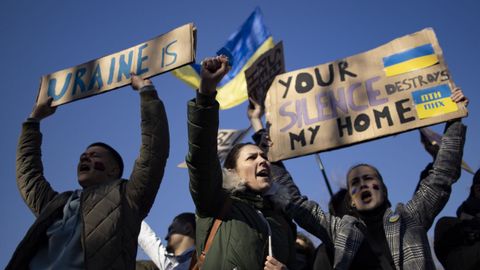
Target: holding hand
{"type": "Point", "coordinates": [254, 113]}
{"type": "Point", "coordinates": [272, 264]}
{"type": "Point", "coordinates": [458, 96]}
{"type": "Point", "coordinates": [138, 83]}
{"type": "Point", "coordinates": [43, 109]}
{"type": "Point", "coordinates": [213, 70]}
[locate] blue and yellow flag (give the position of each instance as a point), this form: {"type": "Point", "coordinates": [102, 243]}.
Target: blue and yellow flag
{"type": "Point", "coordinates": [410, 60]}
{"type": "Point", "coordinates": [248, 43]}
{"type": "Point", "coordinates": [433, 101]}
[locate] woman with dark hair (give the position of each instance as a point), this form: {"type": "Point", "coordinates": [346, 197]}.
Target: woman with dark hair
{"type": "Point", "coordinates": [397, 238]}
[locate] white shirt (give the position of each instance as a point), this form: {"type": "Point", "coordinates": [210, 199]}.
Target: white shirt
{"type": "Point", "coordinates": [153, 247]}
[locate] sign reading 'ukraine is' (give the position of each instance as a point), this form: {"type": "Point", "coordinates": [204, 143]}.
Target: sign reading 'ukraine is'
{"type": "Point", "coordinates": [402, 85]}
{"type": "Point", "coordinates": [161, 54]}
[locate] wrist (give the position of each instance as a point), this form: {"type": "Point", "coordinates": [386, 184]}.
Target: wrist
{"type": "Point", "coordinates": [207, 88]}
{"type": "Point", "coordinates": [256, 123]}
{"type": "Point", "coordinates": [32, 120]}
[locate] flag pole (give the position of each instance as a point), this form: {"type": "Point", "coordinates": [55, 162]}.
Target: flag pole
{"type": "Point", "coordinates": [322, 169]}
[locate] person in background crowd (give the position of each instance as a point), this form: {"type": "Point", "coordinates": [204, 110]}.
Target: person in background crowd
{"type": "Point", "coordinates": [180, 243]}
{"type": "Point", "coordinates": [397, 239]}
{"type": "Point", "coordinates": [305, 252]}
{"type": "Point", "coordinates": [95, 227]}
{"type": "Point", "coordinates": [253, 234]}
{"type": "Point", "coordinates": [145, 265]}
{"type": "Point", "coordinates": [457, 239]}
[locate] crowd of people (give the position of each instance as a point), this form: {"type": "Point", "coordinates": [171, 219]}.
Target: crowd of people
{"type": "Point", "coordinates": [246, 211]}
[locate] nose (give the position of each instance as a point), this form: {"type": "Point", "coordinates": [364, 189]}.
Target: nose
{"type": "Point", "coordinates": [263, 161]}
{"type": "Point", "coordinates": [363, 185]}
{"type": "Point", "coordinates": [84, 157]}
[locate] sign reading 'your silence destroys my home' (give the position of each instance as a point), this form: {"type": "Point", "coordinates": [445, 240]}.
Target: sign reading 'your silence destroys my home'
{"type": "Point", "coordinates": [402, 85]}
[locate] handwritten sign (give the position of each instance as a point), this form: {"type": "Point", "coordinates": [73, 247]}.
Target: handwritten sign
{"type": "Point", "coordinates": [261, 73]}
{"type": "Point", "coordinates": [166, 52]}
{"type": "Point", "coordinates": [402, 85]}
{"type": "Point", "coordinates": [226, 139]}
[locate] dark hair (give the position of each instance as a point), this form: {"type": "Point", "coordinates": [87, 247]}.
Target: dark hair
{"type": "Point", "coordinates": [116, 156]}
{"type": "Point", "coordinates": [232, 156]}
{"type": "Point", "coordinates": [187, 218]}
{"type": "Point", "coordinates": [337, 205]}
{"type": "Point", "coordinates": [475, 181]}
{"type": "Point", "coordinates": [349, 199]}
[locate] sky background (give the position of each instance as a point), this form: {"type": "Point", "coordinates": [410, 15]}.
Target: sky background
{"type": "Point", "coordinates": [40, 37]}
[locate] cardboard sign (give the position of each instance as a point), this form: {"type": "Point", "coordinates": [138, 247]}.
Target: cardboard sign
{"type": "Point", "coordinates": [166, 52]}
{"type": "Point", "coordinates": [226, 139]}
{"type": "Point", "coordinates": [261, 73]}
{"type": "Point", "coordinates": [402, 85]}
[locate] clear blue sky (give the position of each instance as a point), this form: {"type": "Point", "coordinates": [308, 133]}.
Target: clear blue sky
{"type": "Point", "coordinates": [40, 37]}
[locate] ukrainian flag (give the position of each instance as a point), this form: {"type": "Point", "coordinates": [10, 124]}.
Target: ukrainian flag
{"type": "Point", "coordinates": [434, 101]}
{"type": "Point", "coordinates": [410, 60]}
{"type": "Point", "coordinates": [247, 44]}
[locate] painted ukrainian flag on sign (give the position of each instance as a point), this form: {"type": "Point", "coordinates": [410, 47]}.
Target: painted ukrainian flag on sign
{"type": "Point", "coordinates": [248, 43]}
{"type": "Point", "coordinates": [410, 60]}
{"type": "Point", "coordinates": [434, 101]}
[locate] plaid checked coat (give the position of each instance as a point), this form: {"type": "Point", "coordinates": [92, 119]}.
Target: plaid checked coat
{"type": "Point", "coordinates": [406, 227]}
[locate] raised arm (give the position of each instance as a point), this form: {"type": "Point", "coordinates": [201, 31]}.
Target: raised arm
{"type": "Point", "coordinates": [152, 246]}
{"type": "Point", "coordinates": [202, 160]}
{"type": "Point", "coordinates": [149, 167]}
{"type": "Point", "coordinates": [434, 190]}
{"type": "Point", "coordinates": [33, 186]}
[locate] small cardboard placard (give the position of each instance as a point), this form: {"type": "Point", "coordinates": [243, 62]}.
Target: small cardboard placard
{"type": "Point", "coordinates": [226, 139]}
{"type": "Point", "coordinates": [161, 54]}
{"type": "Point", "coordinates": [402, 85]}
{"type": "Point", "coordinates": [261, 73]}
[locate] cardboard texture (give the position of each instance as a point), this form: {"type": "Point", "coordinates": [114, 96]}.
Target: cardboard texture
{"type": "Point", "coordinates": [402, 85]}
{"type": "Point", "coordinates": [261, 73]}
{"type": "Point", "coordinates": [161, 54]}
{"type": "Point", "coordinates": [226, 139]}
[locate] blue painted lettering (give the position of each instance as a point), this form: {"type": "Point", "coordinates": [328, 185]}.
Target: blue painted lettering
{"type": "Point", "coordinates": [52, 84]}
{"type": "Point", "coordinates": [96, 79]}
{"type": "Point", "coordinates": [78, 82]}
{"type": "Point", "coordinates": [124, 67]}
{"type": "Point", "coordinates": [170, 53]}
{"type": "Point", "coordinates": [141, 59]}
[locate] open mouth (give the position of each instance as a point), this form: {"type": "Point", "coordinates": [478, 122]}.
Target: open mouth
{"type": "Point", "coordinates": [84, 168]}
{"type": "Point", "coordinates": [263, 173]}
{"type": "Point", "coordinates": [366, 196]}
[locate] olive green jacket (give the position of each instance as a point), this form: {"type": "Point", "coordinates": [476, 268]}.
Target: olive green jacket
{"type": "Point", "coordinates": [241, 242]}
{"type": "Point", "coordinates": [111, 213]}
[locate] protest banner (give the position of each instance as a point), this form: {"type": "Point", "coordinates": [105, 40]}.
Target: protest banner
{"type": "Point", "coordinates": [226, 139]}
{"type": "Point", "coordinates": [261, 73]}
{"type": "Point", "coordinates": [161, 54]}
{"type": "Point", "coordinates": [402, 85]}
